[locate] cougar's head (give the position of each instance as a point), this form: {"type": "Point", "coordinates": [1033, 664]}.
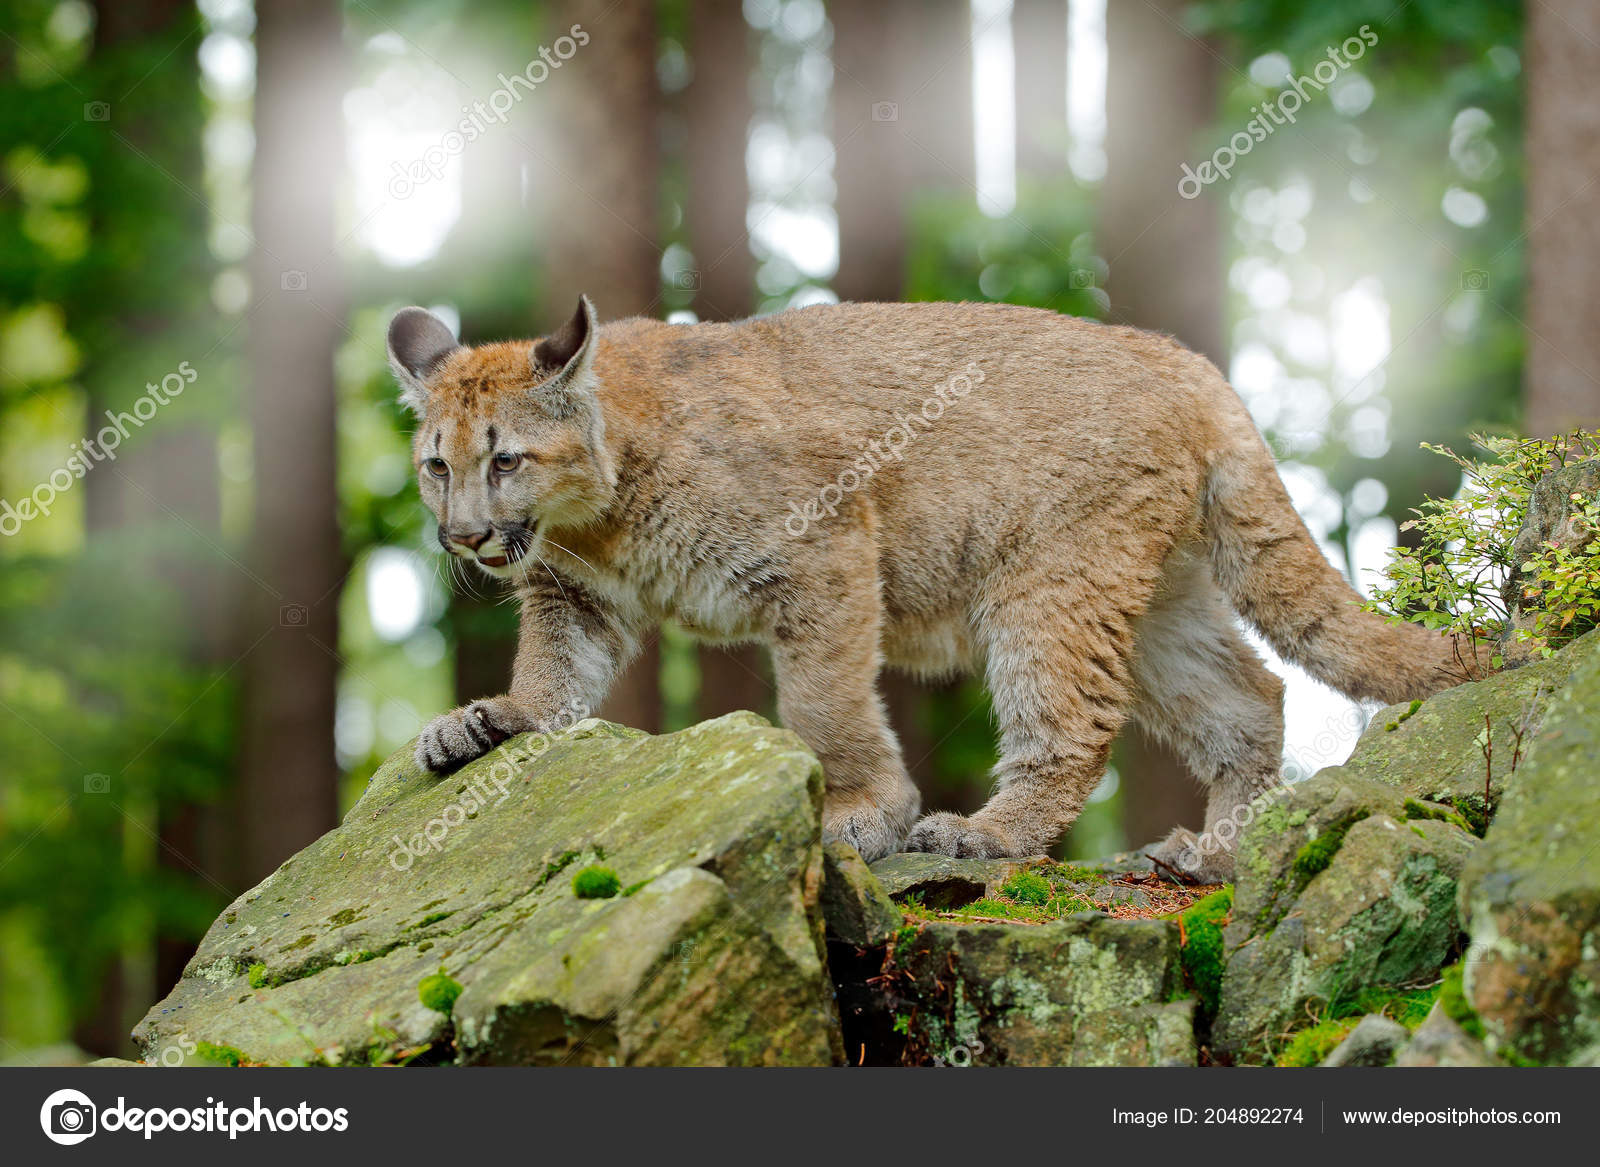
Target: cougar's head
{"type": "Point", "coordinates": [510, 441]}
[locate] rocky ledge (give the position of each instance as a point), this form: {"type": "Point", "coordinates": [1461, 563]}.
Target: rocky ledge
{"type": "Point", "coordinates": [607, 897]}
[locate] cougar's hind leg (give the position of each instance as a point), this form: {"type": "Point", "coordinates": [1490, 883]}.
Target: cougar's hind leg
{"type": "Point", "coordinates": [1204, 692]}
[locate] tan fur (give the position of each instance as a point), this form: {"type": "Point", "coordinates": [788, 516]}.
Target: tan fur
{"type": "Point", "coordinates": [1080, 523]}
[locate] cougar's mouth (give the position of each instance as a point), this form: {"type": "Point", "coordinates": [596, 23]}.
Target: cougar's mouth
{"type": "Point", "coordinates": [494, 560]}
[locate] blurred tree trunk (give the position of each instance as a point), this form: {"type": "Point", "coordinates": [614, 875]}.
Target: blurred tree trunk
{"type": "Point", "coordinates": [1165, 256]}
{"type": "Point", "coordinates": [160, 498]}
{"type": "Point", "coordinates": [288, 772]}
{"type": "Point", "coordinates": [599, 193]}
{"type": "Point", "coordinates": [486, 270]}
{"type": "Point", "coordinates": [902, 126]}
{"type": "Point", "coordinates": [1562, 377]}
{"type": "Point", "coordinates": [716, 110]}
{"type": "Point", "coordinates": [1039, 38]}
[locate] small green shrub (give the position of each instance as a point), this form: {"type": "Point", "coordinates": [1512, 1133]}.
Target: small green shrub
{"type": "Point", "coordinates": [596, 883]}
{"type": "Point", "coordinates": [1453, 579]}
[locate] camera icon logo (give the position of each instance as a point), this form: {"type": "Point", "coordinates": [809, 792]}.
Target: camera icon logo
{"type": "Point", "coordinates": [687, 280]}
{"type": "Point", "coordinates": [1474, 281]}
{"type": "Point", "coordinates": [293, 616]}
{"type": "Point", "coordinates": [68, 1117]}
{"type": "Point", "coordinates": [97, 783]}
{"type": "Point", "coordinates": [97, 111]}
{"type": "Point", "coordinates": [1080, 279]}
{"type": "Point", "coordinates": [294, 280]}
{"type": "Point", "coordinates": [885, 111]}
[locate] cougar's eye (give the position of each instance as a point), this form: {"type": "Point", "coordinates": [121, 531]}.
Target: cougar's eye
{"type": "Point", "coordinates": [438, 467]}
{"type": "Point", "coordinates": [505, 462]}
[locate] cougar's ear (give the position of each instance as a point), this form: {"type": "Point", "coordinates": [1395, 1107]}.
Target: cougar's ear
{"type": "Point", "coordinates": [570, 351]}
{"type": "Point", "coordinates": [418, 344]}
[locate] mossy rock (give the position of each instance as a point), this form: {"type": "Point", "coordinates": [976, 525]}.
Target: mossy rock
{"type": "Point", "coordinates": [1338, 892]}
{"type": "Point", "coordinates": [855, 907]}
{"type": "Point", "coordinates": [942, 882]}
{"type": "Point", "coordinates": [1530, 896]}
{"type": "Point", "coordinates": [1089, 990]}
{"type": "Point", "coordinates": [716, 957]}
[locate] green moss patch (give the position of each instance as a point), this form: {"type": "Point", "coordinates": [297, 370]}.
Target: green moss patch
{"type": "Point", "coordinates": [596, 883]}
{"type": "Point", "coordinates": [1201, 951]}
{"type": "Point", "coordinates": [1417, 809]}
{"type": "Point", "coordinates": [218, 1055]}
{"type": "Point", "coordinates": [1311, 1045]}
{"type": "Point", "coordinates": [439, 992]}
{"type": "Point", "coordinates": [1028, 887]}
{"type": "Point", "coordinates": [1453, 999]}
{"type": "Point", "coordinates": [1315, 857]}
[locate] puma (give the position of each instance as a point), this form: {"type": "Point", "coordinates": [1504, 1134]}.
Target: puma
{"type": "Point", "coordinates": [1076, 509]}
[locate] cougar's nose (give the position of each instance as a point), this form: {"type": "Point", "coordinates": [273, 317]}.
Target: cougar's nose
{"type": "Point", "coordinates": [472, 540]}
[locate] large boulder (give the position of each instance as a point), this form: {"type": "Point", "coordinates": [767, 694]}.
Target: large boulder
{"type": "Point", "coordinates": [1530, 895]}
{"type": "Point", "coordinates": [1344, 885]}
{"type": "Point", "coordinates": [446, 919]}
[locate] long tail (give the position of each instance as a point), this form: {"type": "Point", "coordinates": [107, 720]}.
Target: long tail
{"type": "Point", "coordinates": [1266, 561]}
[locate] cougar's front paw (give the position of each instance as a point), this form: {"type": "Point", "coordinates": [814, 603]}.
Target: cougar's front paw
{"type": "Point", "coordinates": [453, 739]}
{"type": "Point", "coordinates": [957, 836]}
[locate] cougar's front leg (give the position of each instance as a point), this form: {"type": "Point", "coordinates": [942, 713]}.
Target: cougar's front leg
{"type": "Point", "coordinates": [825, 654]}
{"type": "Point", "coordinates": [569, 649]}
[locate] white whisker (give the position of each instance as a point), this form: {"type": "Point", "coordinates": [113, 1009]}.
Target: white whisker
{"type": "Point", "coordinates": [574, 554]}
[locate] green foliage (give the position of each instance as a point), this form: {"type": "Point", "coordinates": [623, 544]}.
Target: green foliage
{"type": "Point", "coordinates": [1041, 255]}
{"type": "Point", "coordinates": [1454, 579]}
{"type": "Point", "coordinates": [596, 883]}
{"type": "Point", "coordinates": [1202, 953]}
{"type": "Point", "coordinates": [439, 992]}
